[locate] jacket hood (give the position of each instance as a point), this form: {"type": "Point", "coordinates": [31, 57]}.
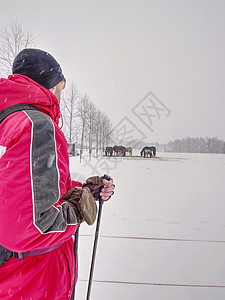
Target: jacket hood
{"type": "Point", "coordinates": [21, 89]}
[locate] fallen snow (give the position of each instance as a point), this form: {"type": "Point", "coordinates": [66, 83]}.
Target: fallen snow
{"type": "Point", "coordinates": [162, 235]}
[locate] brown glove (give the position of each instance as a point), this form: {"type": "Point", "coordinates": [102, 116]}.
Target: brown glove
{"type": "Point", "coordinates": [95, 185]}
{"type": "Point", "coordinates": [83, 204]}
{"type": "Point", "coordinates": [99, 188]}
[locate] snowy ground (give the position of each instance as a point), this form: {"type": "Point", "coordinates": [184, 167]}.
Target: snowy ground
{"type": "Point", "coordinates": [162, 234]}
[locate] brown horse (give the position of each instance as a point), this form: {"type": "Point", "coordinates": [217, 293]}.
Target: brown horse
{"type": "Point", "coordinates": [129, 150]}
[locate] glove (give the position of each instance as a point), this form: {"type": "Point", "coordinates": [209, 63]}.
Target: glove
{"type": "Point", "coordinates": [95, 184]}
{"type": "Point", "coordinates": [83, 204]}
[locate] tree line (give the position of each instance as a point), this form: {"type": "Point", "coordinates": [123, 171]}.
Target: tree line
{"type": "Point", "coordinates": [196, 145]}
{"type": "Point", "coordinates": [83, 122]}
{"type": "Point", "coordinates": [192, 145]}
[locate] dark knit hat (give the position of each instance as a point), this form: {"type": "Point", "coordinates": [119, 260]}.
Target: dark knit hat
{"type": "Point", "coordinates": [39, 66]}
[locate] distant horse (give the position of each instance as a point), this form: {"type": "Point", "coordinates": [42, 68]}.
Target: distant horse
{"type": "Point", "coordinates": [119, 151]}
{"type": "Point", "coordinates": [153, 150]}
{"type": "Point", "coordinates": [129, 150]}
{"type": "Point", "coordinates": [108, 151]}
{"type": "Point", "coordinates": [115, 150]}
{"type": "Point", "coordinates": [143, 150]}
{"type": "Point", "coordinates": [148, 151]}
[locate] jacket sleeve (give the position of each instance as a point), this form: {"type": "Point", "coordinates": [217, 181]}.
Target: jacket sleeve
{"type": "Point", "coordinates": [35, 172]}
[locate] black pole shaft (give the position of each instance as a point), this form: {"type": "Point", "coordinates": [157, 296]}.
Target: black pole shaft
{"type": "Point", "coordinates": [75, 261]}
{"type": "Point", "coordinates": [94, 248]}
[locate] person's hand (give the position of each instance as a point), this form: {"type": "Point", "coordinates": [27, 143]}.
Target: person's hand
{"type": "Point", "coordinates": [100, 187]}
{"type": "Point", "coordinates": [108, 189]}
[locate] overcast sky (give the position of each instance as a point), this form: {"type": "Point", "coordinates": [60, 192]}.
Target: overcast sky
{"type": "Point", "coordinates": [129, 55]}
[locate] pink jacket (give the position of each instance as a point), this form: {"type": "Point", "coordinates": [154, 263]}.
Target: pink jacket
{"type": "Point", "coordinates": [34, 175]}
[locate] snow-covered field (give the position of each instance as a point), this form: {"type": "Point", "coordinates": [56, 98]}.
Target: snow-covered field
{"type": "Point", "coordinates": [162, 235]}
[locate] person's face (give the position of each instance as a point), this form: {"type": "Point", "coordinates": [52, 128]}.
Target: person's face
{"type": "Point", "coordinates": [56, 90]}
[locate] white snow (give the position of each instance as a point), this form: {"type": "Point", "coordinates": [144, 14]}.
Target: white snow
{"type": "Point", "coordinates": [162, 235]}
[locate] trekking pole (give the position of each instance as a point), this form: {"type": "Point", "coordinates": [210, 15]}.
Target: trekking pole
{"type": "Point", "coordinates": [95, 242]}
{"type": "Point", "coordinates": [75, 260]}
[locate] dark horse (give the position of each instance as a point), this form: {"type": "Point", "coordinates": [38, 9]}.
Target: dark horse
{"type": "Point", "coordinates": [148, 151]}
{"type": "Point", "coordinates": [108, 151]}
{"type": "Point", "coordinates": [119, 150]}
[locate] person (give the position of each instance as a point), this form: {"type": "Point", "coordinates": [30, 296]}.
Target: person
{"type": "Point", "coordinates": [40, 206]}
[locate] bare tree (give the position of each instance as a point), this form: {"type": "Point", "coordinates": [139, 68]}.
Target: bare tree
{"type": "Point", "coordinates": [106, 131]}
{"type": "Point", "coordinates": [91, 120]}
{"type": "Point", "coordinates": [82, 113]}
{"type": "Point", "coordinates": [13, 39]}
{"type": "Point", "coordinates": [69, 106]}
{"type": "Point", "coordinates": [97, 131]}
